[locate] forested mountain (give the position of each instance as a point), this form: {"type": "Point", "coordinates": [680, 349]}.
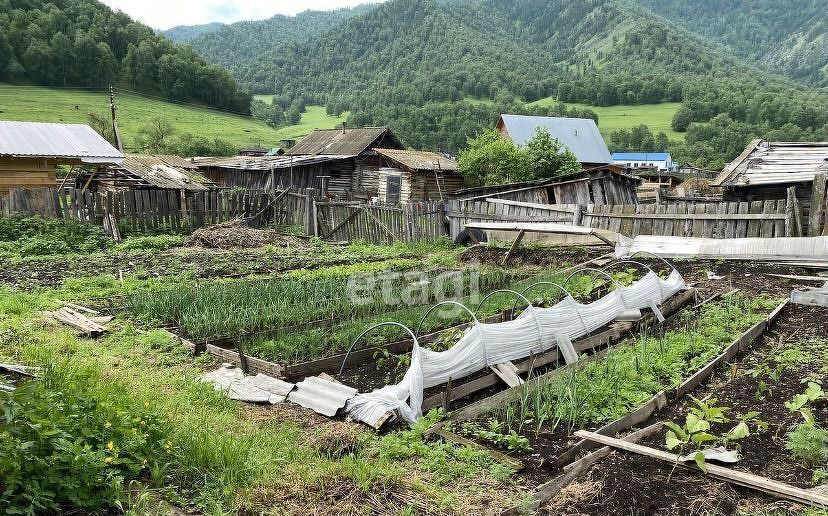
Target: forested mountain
{"type": "Point", "coordinates": [424, 66]}
{"type": "Point", "coordinates": [85, 43]}
{"type": "Point", "coordinates": [248, 40]}
{"type": "Point", "coordinates": [186, 33]}
{"type": "Point", "coordinates": [790, 37]}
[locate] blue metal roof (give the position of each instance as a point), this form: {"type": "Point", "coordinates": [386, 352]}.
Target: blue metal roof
{"type": "Point", "coordinates": [640, 156]}
{"type": "Point", "coordinates": [579, 135]}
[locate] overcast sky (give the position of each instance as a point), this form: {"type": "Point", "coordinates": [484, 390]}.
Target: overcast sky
{"type": "Point", "coordinates": [163, 14]}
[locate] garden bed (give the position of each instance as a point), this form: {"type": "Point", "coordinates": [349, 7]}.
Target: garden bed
{"type": "Point", "coordinates": [761, 379]}
{"type": "Point", "coordinates": [537, 427]}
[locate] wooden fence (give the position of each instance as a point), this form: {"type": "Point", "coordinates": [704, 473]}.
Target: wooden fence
{"type": "Point", "coordinates": [152, 210]}
{"type": "Point", "coordinates": [417, 222]}
{"type": "Point", "coordinates": [462, 212]}
{"type": "Point", "coordinates": [766, 219]}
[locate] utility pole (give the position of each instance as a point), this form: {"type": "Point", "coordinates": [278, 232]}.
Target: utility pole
{"type": "Point", "coordinates": [116, 133]}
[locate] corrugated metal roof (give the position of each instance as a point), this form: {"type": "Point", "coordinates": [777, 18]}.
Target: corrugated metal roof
{"type": "Point", "coordinates": [419, 160]}
{"type": "Point", "coordinates": [342, 141]}
{"type": "Point", "coordinates": [321, 396]}
{"type": "Point", "coordinates": [169, 172]}
{"type": "Point", "coordinates": [68, 141]}
{"type": "Point", "coordinates": [769, 163]}
{"type": "Point", "coordinates": [579, 135]}
{"type": "Point", "coordinates": [266, 163]}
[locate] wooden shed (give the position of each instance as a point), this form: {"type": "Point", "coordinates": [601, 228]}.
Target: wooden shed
{"type": "Point", "coordinates": [607, 185]}
{"type": "Point", "coordinates": [409, 175]}
{"type": "Point", "coordinates": [765, 170]}
{"type": "Point", "coordinates": [146, 172]}
{"type": "Point", "coordinates": [361, 144]}
{"type": "Point", "coordinates": [30, 152]}
{"type": "Point", "coordinates": [329, 174]}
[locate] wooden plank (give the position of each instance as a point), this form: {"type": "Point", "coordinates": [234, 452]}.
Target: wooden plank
{"type": "Point", "coordinates": [509, 462]}
{"type": "Point", "coordinates": [817, 205]}
{"type": "Point", "coordinates": [740, 478]}
{"type": "Point", "coordinates": [754, 225]}
{"type": "Point", "coordinates": [548, 490]}
{"type": "Point", "coordinates": [507, 372]}
{"type": "Point", "coordinates": [766, 229]}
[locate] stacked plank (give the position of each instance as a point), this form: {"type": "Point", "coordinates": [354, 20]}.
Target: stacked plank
{"type": "Point", "coordinates": [86, 326]}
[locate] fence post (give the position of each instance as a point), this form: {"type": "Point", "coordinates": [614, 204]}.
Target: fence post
{"type": "Point", "coordinates": [310, 211]}
{"type": "Point", "coordinates": [577, 215]}
{"type": "Point", "coordinates": [817, 205]}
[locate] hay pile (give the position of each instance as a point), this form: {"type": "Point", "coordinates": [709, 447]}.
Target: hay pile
{"type": "Point", "coordinates": [236, 233]}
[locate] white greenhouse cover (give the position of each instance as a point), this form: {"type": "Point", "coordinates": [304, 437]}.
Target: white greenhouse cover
{"type": "Point", "coordinates": [536, 330]}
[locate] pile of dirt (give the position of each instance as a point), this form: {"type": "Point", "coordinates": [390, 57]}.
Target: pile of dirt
{"type": "Point", "coordinates": [236, 233]}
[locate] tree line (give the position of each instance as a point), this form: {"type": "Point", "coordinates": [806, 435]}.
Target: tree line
{"type": "Point", "coordinates": [84, 43]}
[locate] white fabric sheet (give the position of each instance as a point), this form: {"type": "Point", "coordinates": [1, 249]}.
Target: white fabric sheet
{"type": "Point", "coordinates": [484, 345]}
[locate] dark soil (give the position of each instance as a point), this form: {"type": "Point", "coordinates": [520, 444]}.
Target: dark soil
{"type": "Point", "coordinates": [544, 256]}
{"type": "Point", "coordinates": [631, 484]}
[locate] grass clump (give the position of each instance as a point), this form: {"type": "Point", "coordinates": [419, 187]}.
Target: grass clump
{"type": "Point", "coordinates": [148, 243]}
{"type": "Point", "coordinates": [62, 446]}
{"type": "Point", "coordinates": [36, 236]}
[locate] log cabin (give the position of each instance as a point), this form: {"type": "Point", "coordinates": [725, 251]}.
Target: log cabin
{"type": "Point", "coordinates": [412, 176]}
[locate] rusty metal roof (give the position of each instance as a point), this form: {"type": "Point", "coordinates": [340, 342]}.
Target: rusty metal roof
{"type": "Point", "coordinates": [321, 396]}
{"type": "Point", "coordinates": [769, 163]}
{"type": "Point", "coordinates": [345, 141]}
{"type": "Point", "coordinates": [168, 172]}
{"type": "Point", "coordinates": [64, 141]}
{"type": "Point", "coordinates": [266, 163]}
{"type": "Point", "coordinates": [419, 160]}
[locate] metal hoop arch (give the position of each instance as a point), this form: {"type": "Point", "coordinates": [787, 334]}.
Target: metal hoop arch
{"type": "Point", "coordinates": [524, 291]}
{"type": "Point", "coordinates": [388, 323]}
{"type": "Point", "coordinates": [573, 273]}
{"type": "Point", "coordinates": [501, 291]}
{"type": "Point", "coordinates": [441, 303]}
{"type": "Point", "coordinates": [668, 264]}
{"type": "Point", "coordinates": [617, 262]}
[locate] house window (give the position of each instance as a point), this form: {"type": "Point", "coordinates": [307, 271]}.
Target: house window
{"type": "Point", "coordinates": [392, 189]}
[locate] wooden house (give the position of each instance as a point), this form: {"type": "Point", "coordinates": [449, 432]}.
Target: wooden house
{"type": "Point", "coordinates": [146, 172]}
{"type": "Point", "coordinates": [363, 180]}
{"type": "Point", "coordinates": [765, 170]}
{"type": "Point", "coordinates": [607, 185]}
{"type": "Point", "coordinates": [654, 180]}
{"type": "Point", "coordinates": [331, 174]}
{"type": "Point", "coordinates": [408, 175]}
{"type": "Point", "coordinates": [30, 152]}
{"type": "Point", "coordinates": [579, 135]}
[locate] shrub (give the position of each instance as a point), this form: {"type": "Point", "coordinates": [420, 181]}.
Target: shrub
{"type": "Point", "coordinates": [62, 447]}
{"type": "Point", "coordinates": [36, 236]}
{"type": "Point", "coordinates": [808, 443]}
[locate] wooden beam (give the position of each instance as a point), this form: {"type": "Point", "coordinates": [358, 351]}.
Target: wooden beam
{"type": "Point", "coordinates": [739, 478]}
{"type": "Point", "coordinates": [509, 462]}
{"type": "Point", "coordinates": [514, 246]}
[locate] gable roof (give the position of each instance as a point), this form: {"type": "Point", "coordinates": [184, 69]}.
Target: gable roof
{"type": "Point", "coordinates": [768, 163]}
{"type": "Point", "coordinates": [345, 141]}
{"type": "Point", "coordinates": [579, 135]}
{"type": "Point", "coordinates": [47, 140]}
{"type": "Point", "coordinates": [419, 160]}
{"type": "Point", "coordinates": [640, 156]}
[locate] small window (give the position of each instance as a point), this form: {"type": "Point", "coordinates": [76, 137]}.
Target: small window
{"type": "Point", "coordinates": [392, 189]}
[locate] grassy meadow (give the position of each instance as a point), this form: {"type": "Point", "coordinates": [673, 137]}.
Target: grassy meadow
{"type": "Point", "coordinates": [314, 117]}
{"type": "Point", "coordinates": [612, 118]}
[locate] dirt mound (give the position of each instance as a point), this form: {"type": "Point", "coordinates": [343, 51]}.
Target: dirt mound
{"type": "Point", "coordinates": [236, 233]}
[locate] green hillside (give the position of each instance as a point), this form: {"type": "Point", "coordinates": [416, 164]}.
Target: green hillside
{"type": "Point", "coordinates": [40, 104]}
{"type": "Point", "coordinates": [612, 118]}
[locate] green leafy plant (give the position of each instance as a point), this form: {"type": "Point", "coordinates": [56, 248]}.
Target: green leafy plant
{"type": "Point", "coordinates": [807, 442]}
{"type": "Point", "coordinates": [498, 434]}
{"type": "Point", "coordinates": [812, 394]}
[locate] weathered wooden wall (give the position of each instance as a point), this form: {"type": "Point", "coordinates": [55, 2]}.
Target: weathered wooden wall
{"type": "Point", "coordinates": [413, 222]}
{"type": "Point", "coordinates": [25, 173]}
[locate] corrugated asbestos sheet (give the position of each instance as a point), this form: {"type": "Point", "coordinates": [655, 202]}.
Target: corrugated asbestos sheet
{"type": "Point", "coordinates": [338, 141]}
{"type": "Point", "coordinates": [321, 396]}
{"type": "Point", "coordinates": [804, 249]}
{"type": "Point", "coordinates": [769, 163]}
{"type": "Point", "coordinates": [580, 135]}
{"type": "Point", "coordinates": [252, 389]}
{"type": "Point", "coordinates": [169, 172]}
{"type": "Point", "coordinates": [76, 141]}
{"type": "Point", "coordinates": [266, 163]}
{"type": "Point", "coordinates": [419, 160]}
